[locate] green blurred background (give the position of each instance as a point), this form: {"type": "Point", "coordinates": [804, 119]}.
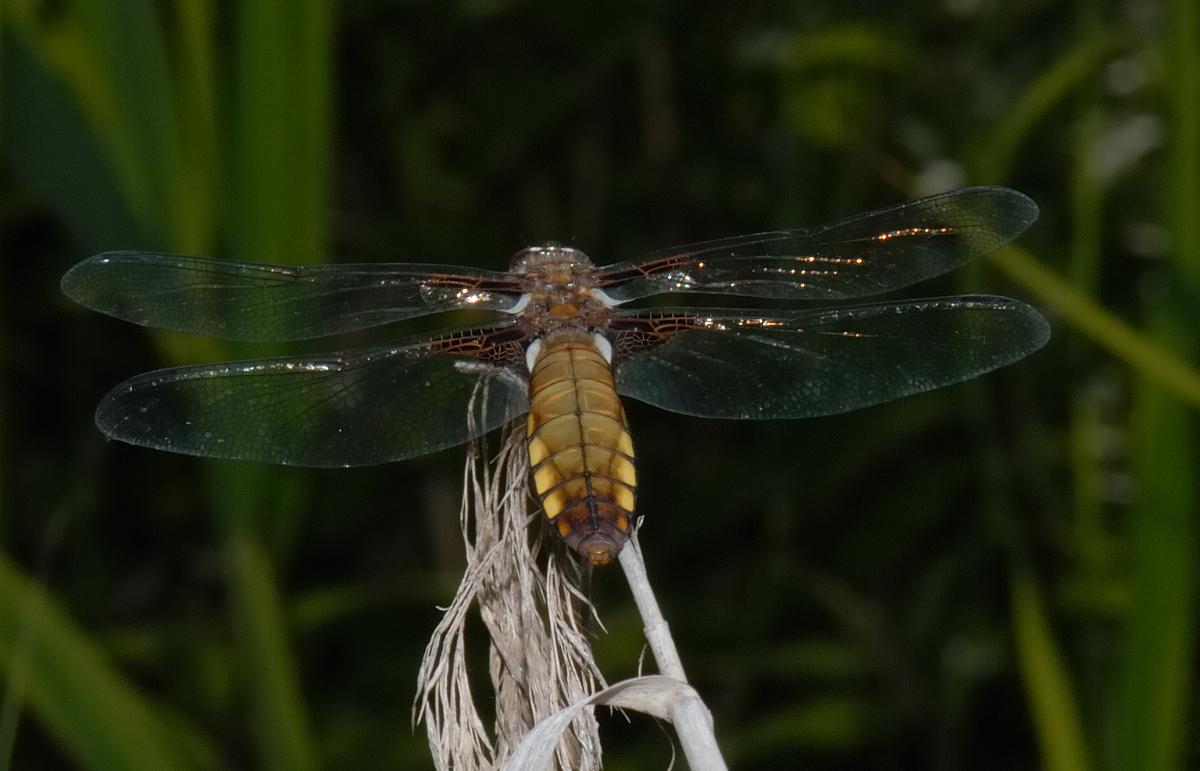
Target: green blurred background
{"type": "Point", "coordinates": [997, 575]}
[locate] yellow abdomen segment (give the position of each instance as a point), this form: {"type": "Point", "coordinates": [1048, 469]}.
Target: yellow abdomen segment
{"type": "Point", "coordinates": [580, 449]}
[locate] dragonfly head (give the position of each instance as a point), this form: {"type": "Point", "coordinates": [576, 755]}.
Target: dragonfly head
{"type": "Point", "coordinates": [549, 258]}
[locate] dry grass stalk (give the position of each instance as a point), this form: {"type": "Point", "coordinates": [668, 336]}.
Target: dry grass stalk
{"type": "Point", "coordinates": [540, 659]}
{"type": "Point", "coordinates": [666, 696]}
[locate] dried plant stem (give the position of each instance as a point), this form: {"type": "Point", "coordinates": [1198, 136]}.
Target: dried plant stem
{"type": "Point", "coordinates": [540, 661]}
{"type": "Point", "coordinates": [691, 718]}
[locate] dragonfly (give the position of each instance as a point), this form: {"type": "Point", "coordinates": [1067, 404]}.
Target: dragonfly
{"type": "Point", "coordinates": [563, 347]}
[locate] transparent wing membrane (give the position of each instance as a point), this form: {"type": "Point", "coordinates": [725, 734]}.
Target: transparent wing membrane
{"type": "Point", "coordinates": [359, 407]}
{"type": "Point", "coordinates": [756, 365]}
{"type": "Point", "coordinates": [251, 301]}
{"type": "Point", "coordinates": [861, 256]}
{"type": "Point", "coordinates": [394, 401]}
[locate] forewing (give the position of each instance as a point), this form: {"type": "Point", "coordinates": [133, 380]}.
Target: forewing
{"type": "Point", "coordinates": [861, 256]}
{"type": "Point", "coordinates": [361, 407]}
{"type": "Point", "coordinates": [743, 364]}
{"type": "Point", "coordinates": [253, 301]}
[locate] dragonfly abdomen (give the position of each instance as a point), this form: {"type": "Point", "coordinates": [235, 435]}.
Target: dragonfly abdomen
{"type": "Point", "coordinates": [580, 449]}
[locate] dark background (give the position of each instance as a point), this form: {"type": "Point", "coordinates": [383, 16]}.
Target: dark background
{"type": "Point", "coordinates": [996, 575]}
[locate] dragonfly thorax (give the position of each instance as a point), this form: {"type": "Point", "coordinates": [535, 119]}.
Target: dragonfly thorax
{"type": "Point", "coordinates": [561, 290]}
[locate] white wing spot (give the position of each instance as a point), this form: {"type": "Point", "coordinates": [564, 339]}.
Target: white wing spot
{"type": "Point", "coordinates": [603, 346]}
{"type": "Point", "coordinates": [520, 306]}
{"type": "Point", "coordinates": [532, 353]}
{"type": "Point", "coordinates": [603, 298]}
